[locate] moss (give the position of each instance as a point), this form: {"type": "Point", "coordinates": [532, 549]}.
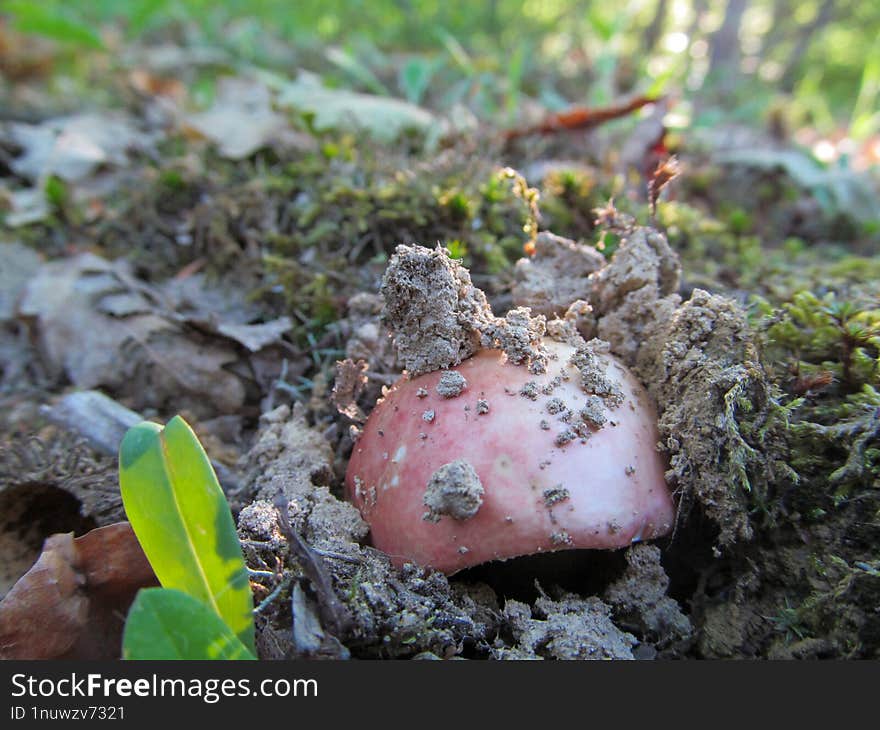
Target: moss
{"type": "Point", "coordinates": [824, 353]}
{"type": "Point", "coordinates": [842, 609]}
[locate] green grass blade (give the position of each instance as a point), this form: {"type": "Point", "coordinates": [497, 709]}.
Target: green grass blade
{"type": "Point", "coordinates": [164, 623]}
{"type": "Point", "coordinates": [54, 23]}
{"type": "Point", "coordinates": [182, 520]}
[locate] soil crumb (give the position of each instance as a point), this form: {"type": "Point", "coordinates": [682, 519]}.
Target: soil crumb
{"type": "Point", "coordinates": [451, 384]}
{"type": "Point", "coordinates": [592, 368]}
{"type": "Point", "coordinates": [636, 293]}
{"type": "Point", "coordinates": [568, 628]}
{"type": "Point", "coordinates": [556, 275]}
{"type": "Point", "coordinates": [593, 413]}
{"type": "Point", "coordinates": [703, 368]}
{"type": "Point", "coordinates": [577, 324]}
{"type": "Point", "coordinates": [295, 460]}
{"type": "Point", "coordinates": [640, 602]}
{"type": "Point", "coordinates": [519, 335]}
{"type": "Point", "coordinates": [454, 490]}
{"type": "Point", "coordinates": [438, 318]}
{"type": "Point", "coordinates": [432, 309]}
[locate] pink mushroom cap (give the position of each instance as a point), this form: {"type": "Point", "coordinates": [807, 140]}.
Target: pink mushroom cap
{"type": "Point", "coordinates": [540, 487]}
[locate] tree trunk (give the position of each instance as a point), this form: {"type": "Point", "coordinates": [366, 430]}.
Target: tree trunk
{"type": "Point", "coordinates": [724, 49]}
{"type": "Point", "coordinates": [805, 37]}
{"type": "Point", "coordinates": [655, 29]}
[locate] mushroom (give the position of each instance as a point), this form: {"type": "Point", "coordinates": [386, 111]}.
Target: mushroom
{"type": "Point", "coordinates": [488, 460]}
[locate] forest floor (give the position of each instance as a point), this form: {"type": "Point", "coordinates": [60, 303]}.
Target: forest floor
{"type": "Point", "coordinates": [219, 263]}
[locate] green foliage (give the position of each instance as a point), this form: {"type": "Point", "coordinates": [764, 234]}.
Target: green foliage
{"type": "Point", "coordinates": [842, 607]}
{"type": "Point", "coordinates": [569, 197]}
{"type": "Point", "coordinates": [57, 193]}
{"type": "Point", "coordinates": [830, 334]}
{"type": "Point", "coordinates": [164, 623]}
{"type": "Point", "coordinates": [457, 250]}
{"type": "Point", "coordinates": [415, 75]}
{"type": "Point", "coordinates": [825, 352]}
{"type": "Point", "coordinates": [858, 430]}
{"type": "Point", "coordinates": [493, 57]}
{"type": "Point", "coordinates": [55, 23]}
{"type": "Point", "coordinates": [183, 523]}
{"type": "Point", "coordinates": [788, 621]}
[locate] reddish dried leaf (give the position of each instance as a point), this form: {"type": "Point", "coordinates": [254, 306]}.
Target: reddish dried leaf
{"type": "Point", "coordinates": [582, 118]}
{"type": "Point", "coordinates": [45, 611]}
{"type": "Point", "coordinates": [666, 172]}
{"type": "Point", "coordinates": [151, 84]}
{"type": "Point", "coordinates": [72, 603]}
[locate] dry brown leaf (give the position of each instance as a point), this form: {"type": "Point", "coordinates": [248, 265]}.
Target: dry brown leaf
{"type": "Point", "coordinates": [102, 329]}
{"type": "Point", "coordinates": [242, 119]}
{"type": "Point", "coordinates": [667, 170]}
{"type": "Point", "coordinates": [72, 603]}
{"type": "Point", "coordinates": [73, 147]}
{"type": "Point", "coordinates": [350, 381]}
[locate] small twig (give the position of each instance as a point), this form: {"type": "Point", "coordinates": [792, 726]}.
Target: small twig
{"type": "Point", "coordinates": [332, 610]}
{"type": "Point", "coordinates": [261, 573]}
{"type": "Point", "coordinates": [337, 556]}
{"type": "Point", "coordinates": [267, 601]}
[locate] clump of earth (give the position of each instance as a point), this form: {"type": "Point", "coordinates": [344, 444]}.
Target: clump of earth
{"type": "Point", "coordinates": [690, 355]}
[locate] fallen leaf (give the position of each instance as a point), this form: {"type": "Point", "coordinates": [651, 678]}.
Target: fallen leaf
{"type": "Point", "coordinates": [24, 57]}
{"type": "Point", "coordinates": [384, 118]}
{"type": "Point", "coordinates": [151, 84]}
{"type": "Point", "coordinates": [20, 263]}
{"type": "Point", "coordinates": [101, 328]}
{"type": "Point", "coordinates": [241, 120]}
{"type": "Point", "coordinates": [223, 310]}
{"type": "Point", "coordinates": [257, 336]}
{"type": "Point", "coordinates": [72, 603]}
{"type": "Point", "coordinates": [24, 207]}
{"type": "Point", "coordinates": [75, 146]}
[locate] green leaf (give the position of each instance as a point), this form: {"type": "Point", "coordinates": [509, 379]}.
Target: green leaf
{"type": "Point", "coordinates": [142, 14]}
{"type": "Point", "coordinates": [164, 623]}
{"type": "Point", "coordinates": [384, 118]}
{"type": "Point", "coordinates": [356, 69]}
{"type": "Point", "coordinates": [182, 520]}
{"type": "Point", "coordinates": [51, 22]}
{"type": "Point", "coordinates": [414, 77]}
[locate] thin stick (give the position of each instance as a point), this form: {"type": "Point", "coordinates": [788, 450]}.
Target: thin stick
{"type": "Point", "coordinates": [333, 611]}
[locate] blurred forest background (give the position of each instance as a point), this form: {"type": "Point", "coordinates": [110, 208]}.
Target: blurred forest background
{"type": "Point", "coordinates": [814, 64]}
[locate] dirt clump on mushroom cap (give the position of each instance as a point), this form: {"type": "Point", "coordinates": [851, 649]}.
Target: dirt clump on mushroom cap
{"type": "Point", "coordinates": [451, 384]}
{"type": "Point", "coordinates": [701, 366]}
{"type": "Point", "coordinates": [431, 307]}
{"type": "Point", "coordinates": [697, 358]}
{"type": "Point", "coordinates": [454, 490]}
{"type": "Point", "coordinates": [557, 275]}
{"type": "Point", "coordinates": [438, 318]}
